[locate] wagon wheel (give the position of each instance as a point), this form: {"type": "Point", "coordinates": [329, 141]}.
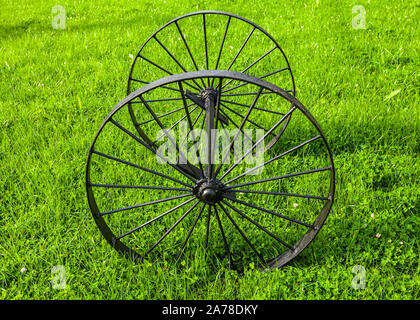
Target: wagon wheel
{"type": "Point", "coordinates": [211, 40]}
{"type": "Point", "coordinates": [257, 204]}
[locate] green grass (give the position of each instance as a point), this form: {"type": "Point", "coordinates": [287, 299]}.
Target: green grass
{"type": "Point", "coordinates": [57, 86]}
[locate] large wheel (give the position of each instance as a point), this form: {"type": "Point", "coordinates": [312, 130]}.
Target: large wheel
{"type": "Point", "coordinates": [211, 40]}
{"type": "Point", "coordinates": [226, 191]}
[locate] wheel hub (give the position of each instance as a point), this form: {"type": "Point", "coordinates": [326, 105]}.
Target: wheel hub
{"type": "Point", "coordinates": [208, 92]}
{"type": "Point", "coordinates": [209, 191]}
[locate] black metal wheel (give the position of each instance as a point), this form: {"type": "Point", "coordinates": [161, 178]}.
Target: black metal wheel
{"type": "Point", "coordinates": [191, 187]}
{"type": "Point", "coordinates": [211, 40]}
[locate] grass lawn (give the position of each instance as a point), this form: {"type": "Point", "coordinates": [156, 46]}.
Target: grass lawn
{"type": "Point", "coordinates": [57, 86]}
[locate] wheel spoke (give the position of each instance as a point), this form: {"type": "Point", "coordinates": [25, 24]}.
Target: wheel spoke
{"type": "Point", "coordinates": [259, 59]}
{"type": "Point", "coordinates": [246, 94]}
{"type": "Point", "coordinates": [141, 168]}
{"type": "Point", "coordinates": [157, 100]}
{"type": "Point", "coordinates": [205, 46]}
{"type": "Point", "coordinates": [216, 116]}
{"type": "Point", "coordinates": [274, 72]}
{"type": "Point", "coordinates": [191, 127]}
{"type": "Point", "coordinates": [193, 124]}
{"type": "Point", "coordinates": [261, 77]}
{"type": "Point", "coordinates": [173, 58]}
{"type": "Point", "coordinates": [221, 47]}
{"type": "Point", "coordinates": [258, 142]}
{"type": "Point", "coordinates": [202, 127]}
{"type": "Point", "coordinates": [156, 65]}
{"type": "Point", "coordinates": [258, 225]}
{"type": "Point", "coordinates": [172, 227]}
{"type": "Point", "coordinates": [146, 82]}
{"type": "Point", "coordinates": [279, 177]}
{"type": "Point", "coordinates": [236, 125]}
{"type": "Point", "coordinates": [188, 49]}
{"type": "Point", "coordinates": [166, 71]}
{"type": "Point", "coordinates": [243, 235]}
{"type": "Point", "coordinates": [250, 121]}
{"type": "Point", "coordinates": [219, 222]}
{"type": "Point", "coordinates": [163, 115]}
{"type": "Point", "coordinates": [191, 230]}
{"type": "Point", "coordinates": [152, 150]}
{"type": "Point", "coordinates": [154, 219]}
{"type": "Point", "coordinates": [252, 64]}
{"type": "Point", "coordinates": [240, 130]}
{"type": "Point", "coordinates": [166, 131]}
{"type": "Point", "coordinates": [247, 106]}
{"type": "Point", "coordinates": [218, 100]}
{"type": "Point", "coordinates": [136, 187]}
{"type": "Point", "coordinates": [280, 194]}
{"type": "Point", "coordinates": [174, 125]}
{"type": "Point", "coordinates": [273, 159]}
{"type": "Point", "coordinates": [225, 131]}
{"type": "Point", "coordinates": [145, 204]}
{"type": "Point", "coordinates": [240, 50]}
{"type": "Point", "coordinates": [270, 212]}
{"type": "Point", "coordinates": [207, 226]}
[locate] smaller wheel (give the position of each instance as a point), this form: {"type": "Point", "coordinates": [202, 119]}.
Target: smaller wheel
{"type": "Point", "coordinates": [211, 40]}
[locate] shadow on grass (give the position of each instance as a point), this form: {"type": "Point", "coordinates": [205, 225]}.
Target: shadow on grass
{"type": "Point", "coordinates": [339, 235]}
{"type": "Point", "coordinates": [348, 137]}
{"type": "Point", "coordinates": [33, 27]}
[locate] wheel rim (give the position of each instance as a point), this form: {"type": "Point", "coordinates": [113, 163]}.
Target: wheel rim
{"type": "Point", "coordinates": [238, 206]}
{"type": "Point", "coordinates": [211, 40]}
